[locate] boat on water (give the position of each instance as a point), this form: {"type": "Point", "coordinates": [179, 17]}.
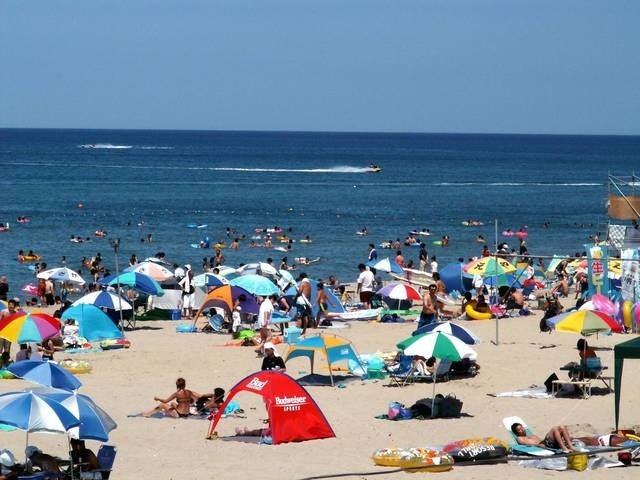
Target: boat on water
{"type": "Point", "coordinates": [373, 168]}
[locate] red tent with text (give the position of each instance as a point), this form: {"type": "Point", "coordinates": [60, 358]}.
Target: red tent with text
{"type": "Point", "coordinates": [293, 415]}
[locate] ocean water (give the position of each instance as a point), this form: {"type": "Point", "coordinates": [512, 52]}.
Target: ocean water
{"type": "Point", "coordinates": [139, 183]}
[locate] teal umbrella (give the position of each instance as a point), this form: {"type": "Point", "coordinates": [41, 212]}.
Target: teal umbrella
{"type": "Point", "coordinates": [138, 281]}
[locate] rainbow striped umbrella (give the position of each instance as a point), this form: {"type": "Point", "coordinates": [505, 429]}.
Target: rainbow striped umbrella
{"type": "Point", "coordinates": [584, 322]}
{"type": "Point", "coordinates": [23, 327]}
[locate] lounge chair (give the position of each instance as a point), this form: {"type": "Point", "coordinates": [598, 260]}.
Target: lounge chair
{"type": "Point", "coordinates": [524, 449]}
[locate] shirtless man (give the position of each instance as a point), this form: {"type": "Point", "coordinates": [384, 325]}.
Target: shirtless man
{"type": "Point", "coordinates": [557, 438]}
{"type": "Point", "coordinates": [429, 306]}
{"type": "Point", "coordinates": [303, 301]}
{"type": "Point", "coordinates": [561, 288]}
{"type": "Point", "coordinates": [516, 299]}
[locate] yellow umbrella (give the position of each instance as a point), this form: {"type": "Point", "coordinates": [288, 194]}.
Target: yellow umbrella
{"type": "Point", "coordinates": [490, 266]}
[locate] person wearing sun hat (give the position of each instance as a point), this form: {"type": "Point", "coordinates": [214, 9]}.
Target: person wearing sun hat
{"type": "Point", "coordinates": [272, 359]}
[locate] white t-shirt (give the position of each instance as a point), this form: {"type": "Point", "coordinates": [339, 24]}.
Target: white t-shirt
{"type": "Point", "coordinates": [434, 266]}
{"type": "Point", "coordinates": [265, 313]}
{"type": "Point", "coordinates": [477, 281]}
{"type": "Point", "coordinates": [365, 280]}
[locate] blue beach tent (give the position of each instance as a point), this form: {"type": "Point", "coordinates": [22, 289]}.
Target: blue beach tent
{"type": "Point", "coordinates": [455, 278]}
{"type": "Point", "coordinates": [93, 323]}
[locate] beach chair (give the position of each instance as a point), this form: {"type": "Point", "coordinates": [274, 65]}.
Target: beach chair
{"type": "Point", "coordinates": [524, 449]}
{"type": "Point", "coordinates": [401, 372]}
{"type": "Point", "coordinates": [215, 322]}
{"type": "Point", "coordinates": [106, 457]}
{"type": "Point", "coordinates": [442, 372]}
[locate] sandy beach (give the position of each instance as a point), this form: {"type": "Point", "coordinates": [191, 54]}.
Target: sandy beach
{"type": "Point", "coordinates": [124, 382]}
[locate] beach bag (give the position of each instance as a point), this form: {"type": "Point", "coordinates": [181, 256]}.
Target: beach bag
{"type": "Point", "coordinates": [449, 407]}
{"type": "Point", "coordinates": [394, 410]}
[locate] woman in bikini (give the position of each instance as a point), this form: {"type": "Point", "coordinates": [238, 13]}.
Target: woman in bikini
{"type": "Point", "coordinates": [178, 404]}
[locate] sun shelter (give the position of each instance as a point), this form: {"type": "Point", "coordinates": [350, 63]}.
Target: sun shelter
{"type": "Point", "coordinates": [628, 349]}
{"type": "Point", "coordinates": [93, 323]}
{"type": "Point", "coordinates": [333, 347]}
{"type": "Point", "coordinates": [293, 415]}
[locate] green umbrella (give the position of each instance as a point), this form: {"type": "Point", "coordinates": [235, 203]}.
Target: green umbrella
{"type": "Point", "coordinates": [437, 344]}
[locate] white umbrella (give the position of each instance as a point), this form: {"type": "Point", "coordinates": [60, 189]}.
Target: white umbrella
{"type": "Point", "coordinates": [62, 274]}
{"type": "Point", "coordinates": [154, 270]}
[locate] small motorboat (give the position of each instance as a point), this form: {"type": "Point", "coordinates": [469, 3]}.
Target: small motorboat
{"type": "Point", "coordinates": [373, 168]}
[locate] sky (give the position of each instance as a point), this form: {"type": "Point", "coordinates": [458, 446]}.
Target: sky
{"type": "Point", "coordinates": [482, 66]}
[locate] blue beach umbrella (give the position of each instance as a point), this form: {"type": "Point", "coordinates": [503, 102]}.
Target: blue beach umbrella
{"type": "Point", "coordinates": [385, 265]}
{"type": "Point", "coordinates": [45, 373]}
{"type": "Point", "coordinates": [256, 284]}
{"type": "Point", "coordinates": [31, 412]}
{"type": "Point", "coordinates": [209, 280]}
{"type": "Point", "coordinates": [138, 281]}
{"type": "Point", "coordinates": [95, 423]}
{"type": "Point", "coordinates": [104, 299]}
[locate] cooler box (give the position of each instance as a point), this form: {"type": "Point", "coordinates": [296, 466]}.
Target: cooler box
{"type": "Point", "coordinates": [176, 314]}
{"type": "Point", "coordinates": [292, 335]}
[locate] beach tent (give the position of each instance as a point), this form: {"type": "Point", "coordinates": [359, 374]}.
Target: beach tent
{"type": "Point", "coordinates": [628, 349]}
{"type": "Point", "coordinates": [333, 347]}
{"type": "Point", "coordinates": [454, 278]}
{"type": "Point", "coordinates": [93, 323]}
{"type": "Point", "coordinates": [293, 415]}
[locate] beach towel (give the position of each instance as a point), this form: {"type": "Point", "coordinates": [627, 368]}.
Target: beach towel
{"type": "Point", "coordinates": [531, 392]}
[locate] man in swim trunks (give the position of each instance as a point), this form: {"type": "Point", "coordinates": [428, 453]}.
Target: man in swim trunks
{"type": "Point", "coordinates": [429, 306]}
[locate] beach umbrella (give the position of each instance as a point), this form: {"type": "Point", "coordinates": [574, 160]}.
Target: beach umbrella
{"type": "Point", "coordinates": [33, 327]}
{"type": "Point", "coordinates": [489, 266]}
{"type": "Point", "coordinates": [62, 274]}
{"type": "Point", "coordinates": [49, 374]}
{"type": "Point", "coordinates": [138, 281]}
{"type": "Point", "coordinates": [227, 272]}
{"type": "Point", "coordinates": [385, 265]}
{"type": "Point", "coordinates": [256, 284]}
{"type": "Point", "coordinates": [502, 280]}
{"type": "Point", "coordinates": [95, 423]}
{"type": "Point", "coordinates": [439, 345]}
{"type": "Point", "coordinates": [209, 280]}
{"type": "Point", "coordinates": [31, 412]}
{"type": "Point", "coordinates": [104, 299]}
{"type": "Point", "coordinates": [153, 269]}
{"type": "Point", "coordinates": [399, 291]}
{"type": "Point", "coordinates": [458, 331]}
{"type": "Point", "coordinates": [584, 322]}
{"type": "Point", "coordinates": [259, 268]}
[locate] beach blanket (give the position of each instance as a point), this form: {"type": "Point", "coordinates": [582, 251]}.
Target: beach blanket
{"type": "Point", "coordinates": [531, 392]}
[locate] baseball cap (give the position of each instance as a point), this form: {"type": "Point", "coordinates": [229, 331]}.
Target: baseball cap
{"type": "Point", "coordinates": [187, 266]}
{"type": "Point", "coordinates": [7, 459]}
{"type": "Point", "coordinates": [272, 347]}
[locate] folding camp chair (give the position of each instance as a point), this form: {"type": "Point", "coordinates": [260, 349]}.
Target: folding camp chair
{"type": "Point", "coordinates": [106, 457]}
{"type": "Point", "coordinates": [401, 372]}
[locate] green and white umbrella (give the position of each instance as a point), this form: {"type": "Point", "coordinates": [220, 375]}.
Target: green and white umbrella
{"type": "Point", "coordinates": [440, 345]}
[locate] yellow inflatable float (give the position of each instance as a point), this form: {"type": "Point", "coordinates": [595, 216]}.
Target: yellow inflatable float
{"type": "Point", "coordinates": [475, 315]}
{"type": "Point", "coordinates": [76, 366]}
{"type": "Point", "coordinates": [424, 459]}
